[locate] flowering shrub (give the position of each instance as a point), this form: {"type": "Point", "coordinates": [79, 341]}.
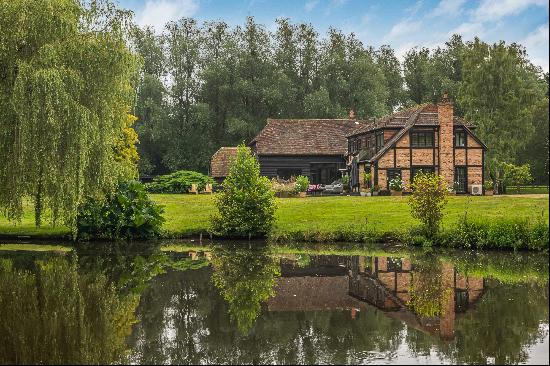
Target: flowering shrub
{"type": "Point", "coordinates": [283, 186]}
{"type": "Point", "coordinates": [396, 184]}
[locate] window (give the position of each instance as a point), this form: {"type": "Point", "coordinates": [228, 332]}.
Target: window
{"type": "Point", "coordinates": [286, 173]}
{"type": "Point", "coordinates": [422, 139]}
{"type": "Point", "coordinates": [393, 173]}
{"type": "Point", "coordinates": [425, 169]}
{"type": "Point", "coordinates": [379, 141]}
{"type": "Point", "coordinates": [461, 180]}
{"type": "Point", "coordinates": [460, 138]}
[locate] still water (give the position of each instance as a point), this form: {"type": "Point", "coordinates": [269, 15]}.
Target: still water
{"type": "Point", "coordinates": [258, 304]}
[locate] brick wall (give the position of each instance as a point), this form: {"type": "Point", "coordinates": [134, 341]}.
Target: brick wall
{"type": "Point", "coordinates": [446, 145]}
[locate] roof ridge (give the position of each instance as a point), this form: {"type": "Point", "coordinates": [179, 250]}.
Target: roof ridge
{"type": "Point", "coordinates": [410, 122]}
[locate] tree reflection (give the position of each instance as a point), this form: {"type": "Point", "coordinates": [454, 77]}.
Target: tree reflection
{"type": "Point", "coordinates": [54, 314]}
{"type": "Point", "coordinates": [245, 277]}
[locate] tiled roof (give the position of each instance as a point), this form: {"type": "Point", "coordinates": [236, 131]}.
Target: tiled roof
{"type": "Point", "coordinates": [305, 136]}
{"type": "Point", "coordinates": [426, 117]}
{"type": "Point", "coordinates": [219, 164]}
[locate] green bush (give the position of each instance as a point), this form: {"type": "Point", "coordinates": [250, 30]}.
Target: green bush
{"type": "Point", "coordinates": [127, 214]}
{"type": "Point", "coordinates": [501, 234]}
{"type": "Point", "coordinates": [429, 196]}
{"type": "Point", "coordinates": [246, 205]}
{"type": "Point", "coordinates": [302, 183]}
{"type": "Point", "coordinates": [178, 182]}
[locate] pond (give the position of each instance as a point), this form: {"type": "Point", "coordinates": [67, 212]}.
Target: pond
{"type": "Point", "coordinates": [248, 303]}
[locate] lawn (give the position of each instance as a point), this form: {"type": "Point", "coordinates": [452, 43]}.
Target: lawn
{"type": "Point", "coordinates": [189, 214]}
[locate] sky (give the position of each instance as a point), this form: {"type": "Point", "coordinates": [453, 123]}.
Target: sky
{"type": "Point", "coordinates": [399, 23]}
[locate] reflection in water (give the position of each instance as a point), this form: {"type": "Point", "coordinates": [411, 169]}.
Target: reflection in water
{"type": "Point", "coordinates": [54, 314]}
{"type": "Point", "coordinates": [245, 276]}
{"type": "Point", "coordinates": [238, 304]}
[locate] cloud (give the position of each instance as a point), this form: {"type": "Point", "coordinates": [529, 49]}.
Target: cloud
{"type": "Point", "coordinates": [310, 5]}
{"type": "Point", "coordinates": [404, 27]}
{"type": "Point", "coordinates": [536, 44]}
{"type": "Point", "coordinates": [448, 8]}
{"type": "Point", "coordinates": [157, 13]}
{"type": "Point", "coordinates": [468, 30]}
{"type": "Point", "coordinates": [493, 10]}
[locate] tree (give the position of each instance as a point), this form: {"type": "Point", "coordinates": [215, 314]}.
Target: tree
{"type": "Point", "coordinates": [429, 196]}
{"type": "Point", "coordinates": [391, 68]}
{"type": "Point", "coordinates": [67, 84]}
{"type": "Point", "coordinates": [498, 92]}
{"type": "Point", "coordinates": [515, 175]}
{"type": "Point", "coordinates": [246, 206]}
{"type": "Point", "coordinates": [151, 106]}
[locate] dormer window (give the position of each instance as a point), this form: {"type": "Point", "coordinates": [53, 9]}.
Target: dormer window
{"type": "Point", "coordinates": [460, 138]}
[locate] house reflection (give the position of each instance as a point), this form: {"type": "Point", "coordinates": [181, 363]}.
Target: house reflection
{"type": "Point", "coordinates": [389, 284]}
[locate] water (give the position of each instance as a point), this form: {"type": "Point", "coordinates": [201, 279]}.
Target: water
{"type": "Point", "coordinates": [235, 304]}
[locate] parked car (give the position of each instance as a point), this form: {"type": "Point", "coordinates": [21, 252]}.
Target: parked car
{"type": "Point", "coordinates": [334, 187]}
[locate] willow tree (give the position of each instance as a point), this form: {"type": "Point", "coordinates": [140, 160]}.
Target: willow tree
{"type": "Point", "coordinates": [66, 84]}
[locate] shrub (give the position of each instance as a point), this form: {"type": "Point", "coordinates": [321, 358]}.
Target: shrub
{"type": "Point", "coordinates": [501, 234]}
{"type": "Point", "coordinates": [128, 214]}
{"type": "Point", "coordinates": [429, 196]}
{"type": "Point", "coordinates": [302, 183]}
{"type": "Point", "coordinates": [283, 187]}
{"type": "Point", "coordinates": [396, 184]}
{"type": "Point", "coordinates": [246, 206]}
{"type": "Point", "coordinates": [178, 182]}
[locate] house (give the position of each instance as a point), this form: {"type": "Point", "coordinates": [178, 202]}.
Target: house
{"type": "Point", "coordinates": [312, 147]}
{"type": "Point", "coordinates": [425, 138]}
{"type": "Point", "coordinates": [220, 162]}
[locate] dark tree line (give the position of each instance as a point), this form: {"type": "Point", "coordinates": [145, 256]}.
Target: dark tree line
{"type": "Point", "coordinates": [209, 85]}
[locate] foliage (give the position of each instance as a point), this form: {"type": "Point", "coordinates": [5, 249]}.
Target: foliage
{"type": "Point", "coordinates": [60, 306]}
{"type": "Point", "coordinates": [500, 91]}
{"type": "Point", "coordinates": [178, 182]}
{"type": "Point", "coordinates": [67, 83]}
{"type": "Point", "coordinates": [125, 149]}
{"type": "Point", "coordinates": [283, 186]}
{"type": "Point", "coordinates": [367, 177]}
{"type": "Point", "coordinates": [302, 183]}
{"type": "Point", "coordinates": [516, 175]}
{"type": "Point", "coordinates": [345, 181]}
{"type": "Point", "coordinates": [128, 214]}
{"type": "Point", "coordinates": [488, 185]}
{"type": "Point", "coordinates": [246, 206]}
{"type": "Point", "coordinates": [245, 277]}
{"type": "Point", "coordinates": [429, 196]}
{"type": "Point", "coordinates": [501, 234]}
{"type": "Point", "coordinates": [396, 184]}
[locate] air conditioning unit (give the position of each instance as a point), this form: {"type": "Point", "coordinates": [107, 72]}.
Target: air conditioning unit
{"type": "Point", "coordinates": [476, 189]}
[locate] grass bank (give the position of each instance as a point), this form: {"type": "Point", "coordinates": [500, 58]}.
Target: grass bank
{"type": "Point", "coordinates": [328, 219]}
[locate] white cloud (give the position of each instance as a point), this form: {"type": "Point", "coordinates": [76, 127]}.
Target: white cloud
{"type": "Point", "coordinates": [493, 10]}
{"type": "Point", "coordinates": [468, 30]}
{"type": "Point", "coordinates": [310, 5]}
{"type": "Point", "coordinates": [536, 44]}
{"type": "Point", "coordinates": [448, 8]}
{"type": "Point", "coordinates": [404, 27]}
{"type": "Point", "coordinates": [157, 13]}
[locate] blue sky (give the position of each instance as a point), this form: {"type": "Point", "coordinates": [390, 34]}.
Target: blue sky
{"type": "Point", "coordinates": [399, 23]}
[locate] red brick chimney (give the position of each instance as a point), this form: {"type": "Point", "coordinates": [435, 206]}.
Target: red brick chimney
{"type": "Point", "coordinates": [446, 143]}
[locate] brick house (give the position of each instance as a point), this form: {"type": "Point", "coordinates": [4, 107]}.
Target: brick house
{"type": "Point", "coordinates": [422, 138]}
